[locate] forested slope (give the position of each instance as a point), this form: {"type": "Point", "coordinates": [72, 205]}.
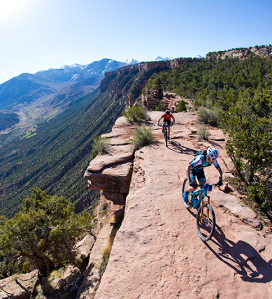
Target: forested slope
{"type": "Point", "coordinates": [55, 157]}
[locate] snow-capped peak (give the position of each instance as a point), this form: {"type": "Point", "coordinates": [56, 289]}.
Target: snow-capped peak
{"type": "Point", "coordinates": [198, 56]}
{"type": "Point", "coordinates": [75, 65]}
{"type": "Point", "coordinates": [131, 61]}
{"type": "Point", "coordinates": [159, 58]}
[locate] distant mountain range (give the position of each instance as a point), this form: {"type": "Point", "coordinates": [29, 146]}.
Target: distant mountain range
{"type": "Point", "coordinates": [28, 99]}
{"type": "Point", "coordinates": [27, 88]}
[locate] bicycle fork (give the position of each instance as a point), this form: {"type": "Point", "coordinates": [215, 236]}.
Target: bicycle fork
{"type": "Point", "coordinates": [202, 207]}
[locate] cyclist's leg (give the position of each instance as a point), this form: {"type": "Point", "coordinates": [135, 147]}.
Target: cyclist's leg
{"type": "Point", "coordinates": [201, 177]}
{"type": "Point", "coordinates": [193, 174]}
{"type": "Point", "coordinates": [190, 189]}
{"type": "Point", "coordinates": [163, 123]}
{"type": "Point", "coordinates": [201, 180]}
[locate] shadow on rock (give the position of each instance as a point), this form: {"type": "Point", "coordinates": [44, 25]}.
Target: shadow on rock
{"type": "Point", "coordinates": [177, 147]}
{"type": "Point", "coordinates": [242, 258]}
{"type": "Point", "coordinates": [57, 286]}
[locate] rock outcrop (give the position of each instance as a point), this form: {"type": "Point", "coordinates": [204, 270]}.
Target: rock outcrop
{"type": "Point", "coordinates": [18, 286]}
{"type": "Point", "coordinates": [241, 53]}
{"type": "Point", "coordinates": [168, 100]}
{"type": "Point", "coordinates": [128, 82]}
{"type": "Point", "coordinates": [110, 173]}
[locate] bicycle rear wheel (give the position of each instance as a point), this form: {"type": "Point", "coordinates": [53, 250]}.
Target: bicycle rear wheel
{"type": "Point", "coordinates": [185, 186]}
{"type": "Point", "coordinates": [205, 222]}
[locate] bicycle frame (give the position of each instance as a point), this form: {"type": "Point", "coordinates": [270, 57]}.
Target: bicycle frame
{"type": "Point", "coordinates": [201, 194]}
{"type": "Point", "coordinates": [205, 216]}
{"type": "Point", "coordinates": [165, 131]}
{"type": "Point", "coordinates": [165, 126]}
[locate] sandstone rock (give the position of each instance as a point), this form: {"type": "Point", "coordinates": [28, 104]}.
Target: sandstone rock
{"type": "Point", "coordinates": [18, 286]}
{"type": "Point", "coordinates": [116, 198]}
{"type": "Point", "coordinates": [93, 272]}
{"type": "Point", "coordinates": [113, 179]}
{"type": "Point", "coordinates": [84, 247]}
{"type": "Point", "coordinates": [230, 202]}
{"type": "Point", "coordinates": [100, 162]}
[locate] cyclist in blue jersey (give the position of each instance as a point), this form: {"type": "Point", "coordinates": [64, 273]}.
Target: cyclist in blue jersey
{"type": "Point", "coordinates": [195, 169]}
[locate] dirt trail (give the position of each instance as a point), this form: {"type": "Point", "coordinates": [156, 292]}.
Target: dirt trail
{"type": "Point", "coordinates": [157, 252]}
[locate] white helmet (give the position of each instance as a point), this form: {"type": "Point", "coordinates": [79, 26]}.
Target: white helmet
{"type": "Point", "coordinates": [213, 153]}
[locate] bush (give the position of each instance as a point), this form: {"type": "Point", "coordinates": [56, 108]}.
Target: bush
{"type": "Point", "coordinates": [203, 133]}
{"type": "Point", "coordinates": [249, 146]}
{"type": "Point", "coordinates": [181, 106]}
{"type": "Point", "coordinates": [142, 136]}
{"type": "Point", "coordinates": [101, 145]}
{"type": "Point", "coordinates": [43, 234]}
{"type": "Point", "coordinates": [261, 194]}
{"type": "Point", "coordinates": [135, 114]}
{"type": "Point", "coordinates": [209, 117]}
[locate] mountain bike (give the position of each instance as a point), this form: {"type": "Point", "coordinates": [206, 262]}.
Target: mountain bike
{"type": "Point", "coordinates": [165, 132]}
{"type": "Point", "coordinates": [205, 218]}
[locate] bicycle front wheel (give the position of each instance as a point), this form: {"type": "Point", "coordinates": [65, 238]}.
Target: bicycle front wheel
{"type": "Point", "coordinates": [205, 222]}
{"type": "Point", "coordinates": [165, 136]}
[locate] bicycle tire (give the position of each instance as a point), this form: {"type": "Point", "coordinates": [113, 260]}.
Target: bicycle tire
{"type": "Point", "coordinates": [205, 227]}
{"type": "Point", "coordinates": [185, 186]}
{"type": "Point", "coordinates": [165, 136]}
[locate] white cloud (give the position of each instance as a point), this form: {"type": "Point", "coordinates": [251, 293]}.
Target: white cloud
{"type": "Point", "coordinates": [3, 73]}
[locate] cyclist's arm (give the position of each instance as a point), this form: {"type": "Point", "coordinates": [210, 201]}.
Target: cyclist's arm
{"type": "Point", "coordinates": [188, 169]}
{"type": "Point", "coordinates": [173, 119]}
{"type": "Point", "coordinates": [220, 173]}
{"type": "Point", "coordinates": [217, 166]}
{"type": "Point", "coordinates": [160, 119]}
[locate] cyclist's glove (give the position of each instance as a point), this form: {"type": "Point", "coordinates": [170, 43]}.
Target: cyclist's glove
{"type": "Point", "coordinates": [192, 184]}
{"type": "Point", "coordinates": [220, 183]}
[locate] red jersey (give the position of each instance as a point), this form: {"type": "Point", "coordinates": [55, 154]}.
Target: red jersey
{"type": "Point", "coordinates": [168, 117]}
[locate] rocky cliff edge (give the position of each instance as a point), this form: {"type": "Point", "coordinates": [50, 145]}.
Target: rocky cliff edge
{"type": "Point", "coordinates": [156, 252]}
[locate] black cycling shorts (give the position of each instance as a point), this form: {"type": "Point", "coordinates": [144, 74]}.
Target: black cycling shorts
{"type": "Point", "coordinates": [199, 173]}
{"type": "Point", "coordinates": [167, 121]}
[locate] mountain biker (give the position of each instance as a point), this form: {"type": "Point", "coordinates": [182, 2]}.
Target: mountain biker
{"type": "Point", "coordinates": [195, 169]}
{"type": "Point", "coordinates": [167, 119]}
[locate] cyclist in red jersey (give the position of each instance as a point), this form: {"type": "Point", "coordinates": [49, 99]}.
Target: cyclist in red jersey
{"type": "Point", "coordinates": [167, 119]}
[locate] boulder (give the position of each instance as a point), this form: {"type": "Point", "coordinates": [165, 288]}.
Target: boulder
{"type": "Point", "coordinates": [84, 246]}
{"type": "Point", "coordinates": [18, 286]}
{"type": "Point", "coordinates": [103, 161]}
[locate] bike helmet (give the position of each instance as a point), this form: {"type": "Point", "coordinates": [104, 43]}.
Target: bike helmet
{"type": "Point", "coordinates": [213, 153]}
{"type": "Point", "coordinates": [167, 112]}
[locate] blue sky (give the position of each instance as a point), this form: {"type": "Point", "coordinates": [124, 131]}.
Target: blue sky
{"type": "Point", "coordinates": [41, 34]}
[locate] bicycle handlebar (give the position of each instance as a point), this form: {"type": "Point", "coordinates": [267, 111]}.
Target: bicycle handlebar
{"type": "Point", "coordinates": [203, 186]}
{"type": "Point", "coordinates": [160, 125]}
